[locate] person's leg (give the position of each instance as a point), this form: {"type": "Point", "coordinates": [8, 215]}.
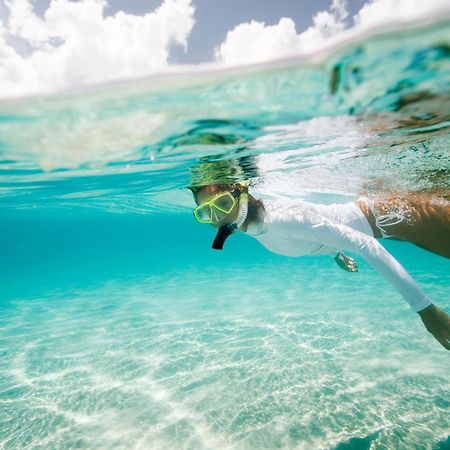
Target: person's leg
{"type": "Point", "coordinates": [420, 218]}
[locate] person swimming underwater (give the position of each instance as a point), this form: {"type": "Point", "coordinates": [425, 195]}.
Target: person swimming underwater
{"type": "Point", "coordinates": [298, 228]}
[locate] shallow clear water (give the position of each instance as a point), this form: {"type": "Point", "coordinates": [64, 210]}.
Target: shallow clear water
{"type": "Point", "coordinates": [120, 328]}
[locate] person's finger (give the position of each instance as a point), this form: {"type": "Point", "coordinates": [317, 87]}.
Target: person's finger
{"type": "Point", "coordinates": [447, 342]}
{"type": "Point", "coordinates": [442, 340]}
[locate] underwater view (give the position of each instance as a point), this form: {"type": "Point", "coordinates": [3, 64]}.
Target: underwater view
{"type": "Point", "coordinates": [120, 327]}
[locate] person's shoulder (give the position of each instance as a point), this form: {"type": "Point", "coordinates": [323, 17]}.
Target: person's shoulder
{"type": "Point", "coordinates": [286, 210]}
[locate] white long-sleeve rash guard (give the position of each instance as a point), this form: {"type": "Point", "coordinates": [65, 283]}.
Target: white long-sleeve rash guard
{"type": "Point", "coordinates": [298, 228]}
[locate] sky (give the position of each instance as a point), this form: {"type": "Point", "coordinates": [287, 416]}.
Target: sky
{"type": "Point", "coordinates": [53, 45]}
{"type": "Point", "coordinates": [214, 18]}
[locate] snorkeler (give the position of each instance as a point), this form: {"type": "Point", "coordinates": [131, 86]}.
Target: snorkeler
{"type": "Point", "coordinates": [298, 228]}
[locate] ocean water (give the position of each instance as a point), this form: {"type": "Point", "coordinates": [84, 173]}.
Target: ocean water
{"type": "Point", "coordinates": [120, 328]}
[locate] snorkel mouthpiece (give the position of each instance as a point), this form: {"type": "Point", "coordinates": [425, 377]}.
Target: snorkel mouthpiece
{"type": "Point", "coordinates": [227, 230]}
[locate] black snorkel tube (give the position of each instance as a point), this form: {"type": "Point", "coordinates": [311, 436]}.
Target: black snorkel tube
{"type": "Point", "coordinates": [227, 230]}
{"type": "Point", "coordinates": [222, 235]}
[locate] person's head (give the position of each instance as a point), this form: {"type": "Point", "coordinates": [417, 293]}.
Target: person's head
{"type": "Point", "coordinates": [217, 204]}
{"type": "Point", "coordinates": [224, 206]}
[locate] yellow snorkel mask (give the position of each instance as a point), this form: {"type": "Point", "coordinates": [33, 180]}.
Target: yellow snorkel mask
{"type": "Point", "coordinates": [218, 207]}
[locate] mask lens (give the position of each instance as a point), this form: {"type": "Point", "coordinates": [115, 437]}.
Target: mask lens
{"type": "Point", "coordinates": [217, 215]}
{"type": "Point", "coordinates": [203, 213]}
{"type": "Point", "coordinates": [225, 203]}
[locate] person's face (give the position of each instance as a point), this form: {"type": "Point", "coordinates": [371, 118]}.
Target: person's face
{"type": "Point", "coordinates": [207, 193]}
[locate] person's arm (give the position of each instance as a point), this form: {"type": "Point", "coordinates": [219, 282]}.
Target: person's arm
{"type": "Point", "coordinates": [340, 236]}
{"type": "Point", "coordinates": [436, 321]}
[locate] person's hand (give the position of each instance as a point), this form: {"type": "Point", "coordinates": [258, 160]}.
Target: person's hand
{"type": "Point", "coordinates": [346, 262]}
{"type": "Point", "coordinates": [437, 322]}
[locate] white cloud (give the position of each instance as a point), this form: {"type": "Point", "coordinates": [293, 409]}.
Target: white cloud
{"type": "Point", "coordinates": [12, 73]}
{"type": "Point", "coordinates": [382, 12]}
{"type": "Point", "coordinates": [75, 44]}
{"type": "Point", "coordinates": [24, 23]}
{"type": "Point", "coordinates": [253, 41]}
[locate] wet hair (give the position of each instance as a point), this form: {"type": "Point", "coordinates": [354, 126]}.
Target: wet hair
{"type": "Point", "coordinates": [218, 186]}
{"type": "Point", "coordinates": [224, 174]}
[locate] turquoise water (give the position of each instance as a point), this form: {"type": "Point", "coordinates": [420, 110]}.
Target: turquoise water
{"type": "Point", "coordinates": [121, 328]}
